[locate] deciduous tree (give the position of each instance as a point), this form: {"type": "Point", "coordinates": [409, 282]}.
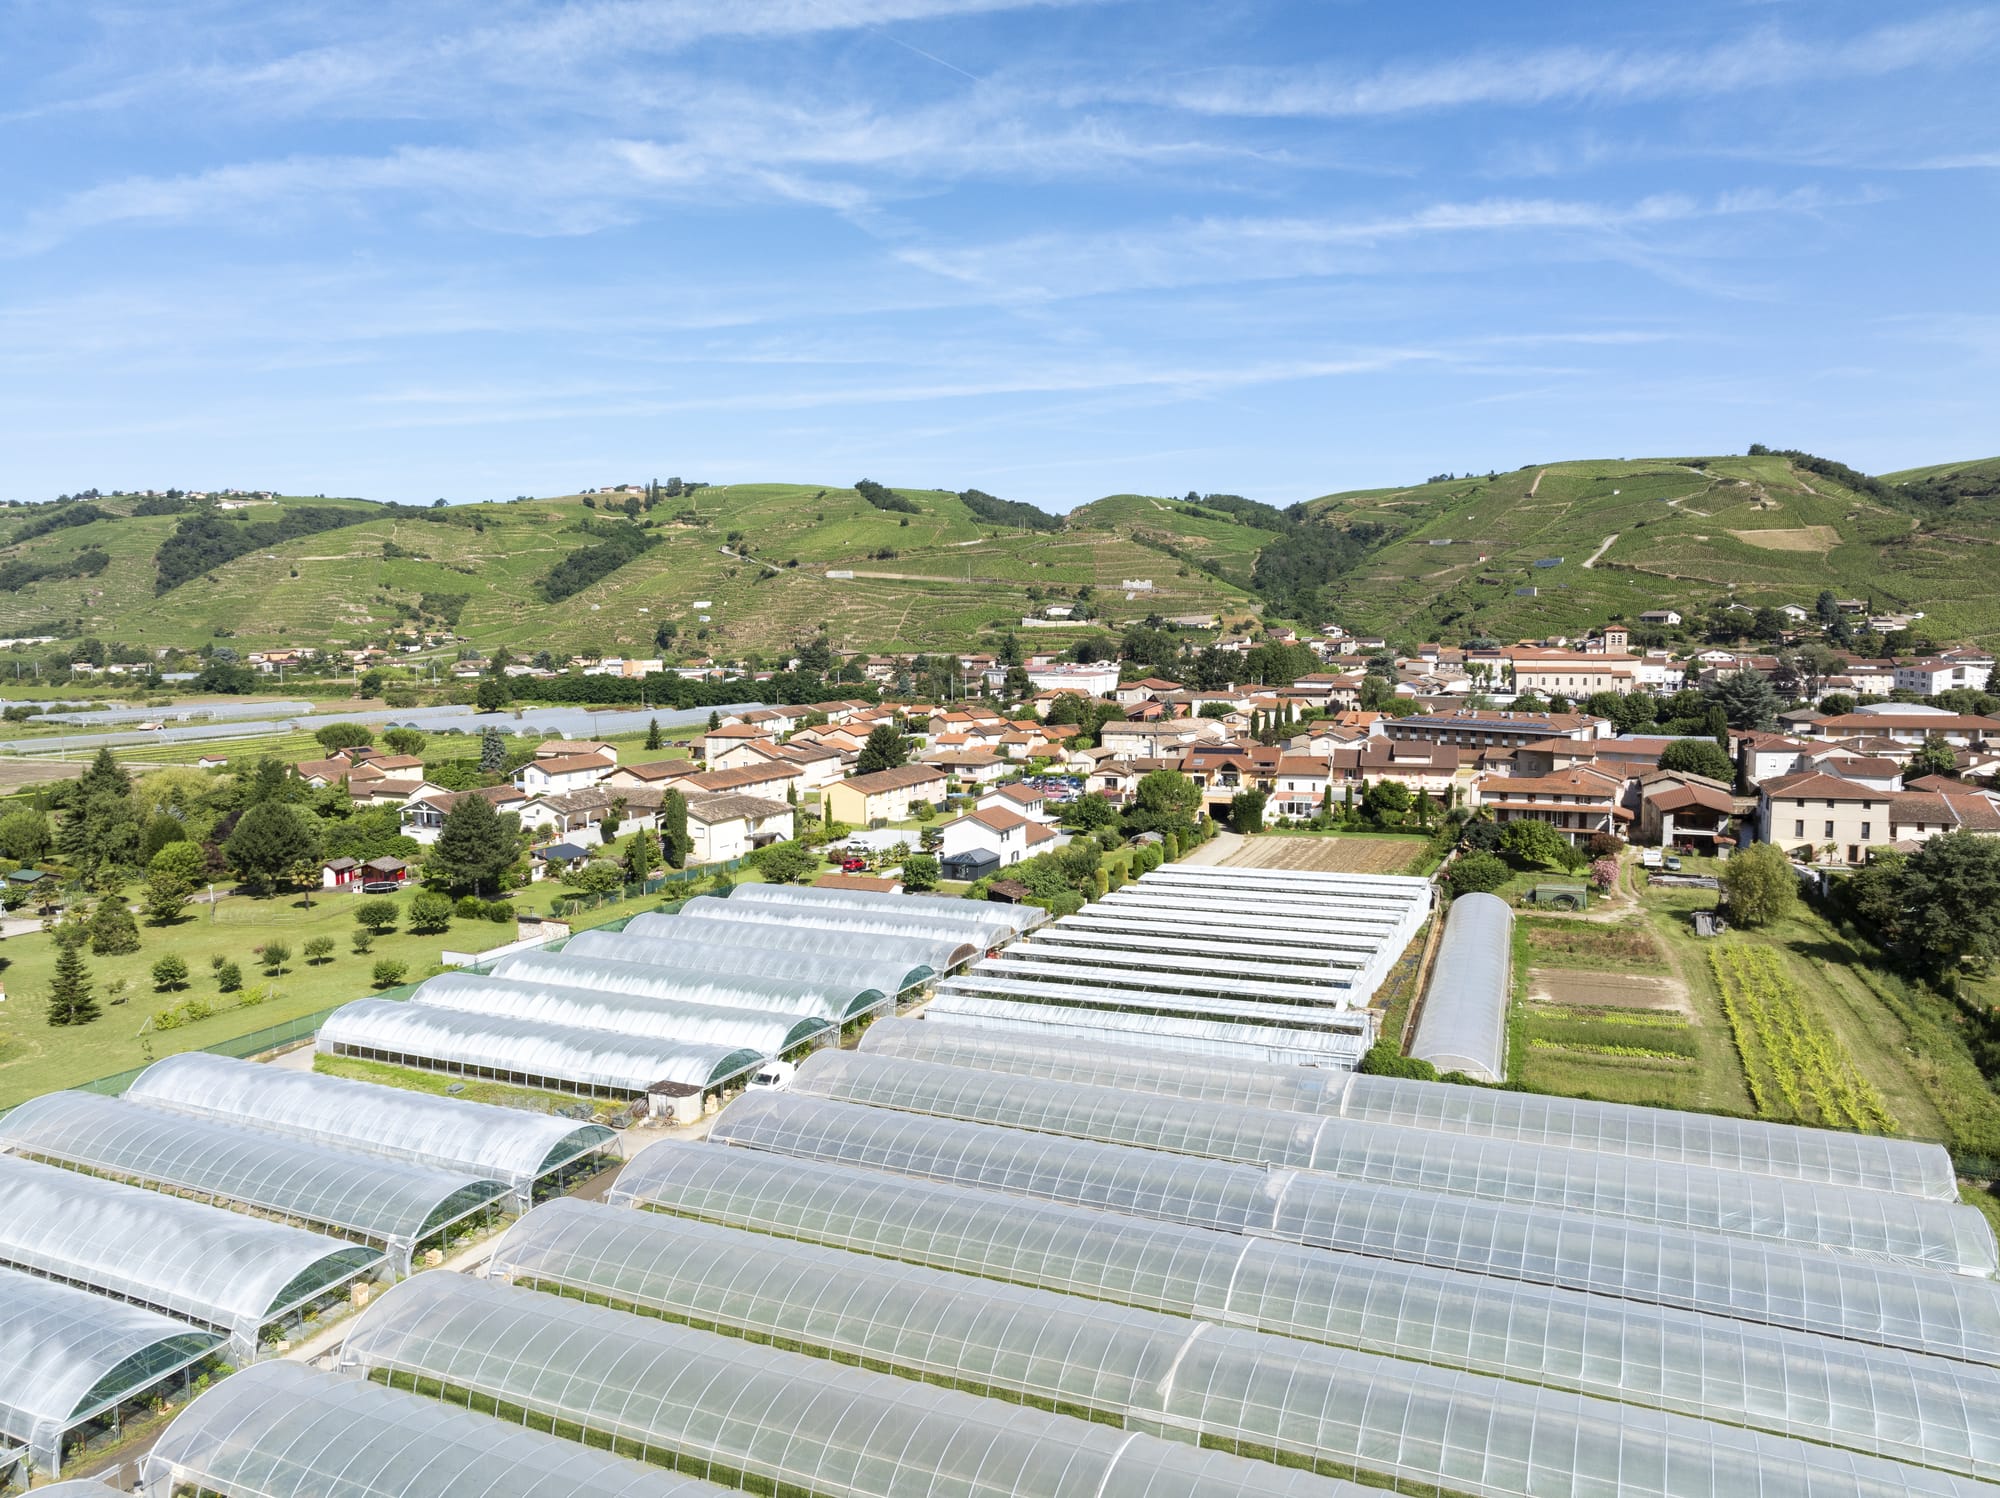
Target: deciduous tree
{"type": "Point", "coordinates": [1761, 885]}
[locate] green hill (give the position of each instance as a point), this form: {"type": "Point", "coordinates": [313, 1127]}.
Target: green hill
{"type": "Point", "coordinates": [1540, 550]}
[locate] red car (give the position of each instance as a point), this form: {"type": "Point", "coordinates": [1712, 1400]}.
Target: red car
{"type": "Point", "coordinates": [854, 866]}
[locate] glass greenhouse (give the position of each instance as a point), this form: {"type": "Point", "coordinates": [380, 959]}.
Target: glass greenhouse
{"type": "Point", "coordinates": [213, 1267]}
{"type": "Point", "coordinates": [927, 918]}
{"type": "Point", "coordinates": [68, 1357]}
{"type": "Point", "coordinates": [283, 1430]}
{"type": "Point", "coordinates": [1918, 1309]}
{"type": "Point", "coordinates": [933, 954]}
{"type": "Point", "coordinates": [1017, 918]}
{"type": "Point", "coordinates": [1931, 1410]}
{"type": "Point", "coordinates": [527, 1052]}
{"type": "Point", "coordinates": [828, 988]}
{"type": "Point", "coordinates": [965, 1013]}
{"type": "Point", "coordinates": [1873, 1224]}
{"type": "Point", "coordinates": [1334, 1408]}
{"type": "Point", "coordinates": [1462, 1022]}
{"type": "Point", "coordinates": [1870, 1161]}
{"type": "Point", "coordinates": [754, 1417]}
{"type": "Point", "coordinates": [768, 1033]}
{"type": "Point", "coordinates": [996, 979]}
{"type": "Point", "coordinates": [389, 1202]}
{"type": "Point", "coordinates": [501, 1144]}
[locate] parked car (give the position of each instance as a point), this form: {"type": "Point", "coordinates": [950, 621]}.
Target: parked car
{"type": "Point", "coordinates": [854, 865]}
{"type": "Point", "coordinates": [1673, 863]}
{"type": "Point", "coordinates": [773, 1076]}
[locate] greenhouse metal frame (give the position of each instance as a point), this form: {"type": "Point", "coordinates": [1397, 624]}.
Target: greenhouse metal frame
{"type": "Point", "coordinates": [1920, 1310]}
{"type": "Point", "coordinates": [1269, 904]}
{"type": "Point", "coordinates": [1462, 1020]}
{"type": "Point", "coordinates": [68, 1357]}
{"type": "Point", "coordinates": [587, 1063]}
{"type": "Point", "coordinates": [210, 1266]}
{"type": "Point", "coordinates": [760, 1418]}
{"type": "Point", "coordinates": [1874, 1162]}
{"type": "Point", "coordinates": [989, 978]}
{"type": "Point", "coordinates": [1228, 1387]}
{"type": "Point", "coordinates": [1107, 915]}
{"type": "Point", "coordinates": [925, 918]}
{"type": "Point", "coordinates": [283, 1430]}
{"type": "Point", "coordinates": [1157, 905]}
{"type": "Point", "coordinates": [393, 1203]}
{"type": "Point", "coordinates": [1161, 948]}
{"type": "Point", "coordinates": [1070, 1028]}
{"type": "Point", "coordinates": [1017, 918]}
{"type": "Point", "coordinates": [920, 960]}
{"type": "Point", "coordinates": [578, 1007]}
{"type": "Point", "coordinates": [1411, 888]}
{"type": "Point", "coordinates": [656, 977]}
{"type": "Point", "coordinates": [1270, 944]}
{"type": "Point", "coordinates": [835, 988]}
{"type": "Point", "coordinates": [1932, 1410]}
{"type": "Point", "coordinates": [1025, 960]}
{"type": "Point", "coordinates": [509, 1145]}
{"type": "Point", "coordinates": [1698, 1198]}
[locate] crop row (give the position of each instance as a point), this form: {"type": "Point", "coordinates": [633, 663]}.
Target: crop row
{"type": "Point", "coordinates": [1794, 1064]}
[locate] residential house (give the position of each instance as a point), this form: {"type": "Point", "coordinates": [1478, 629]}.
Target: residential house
{"type": "Point", "coordinates": [423, 815]}
{"type": "Point", "coordinates": [884, 796]}
{"type": "Point", "coordinates": [1929, 677]}
{"type": "Point", "coordinates": [818, 766]}
{"type": "Point", "coordinates": [970, 766]}
{"type": "Point", "coordinates": [771, 779]}
{"type": "Point", "coordinates": [1569, 674]}
{"type": "Point", "coordinates": [1022, 800]}
{"type": "Point", "coordinates": [340, 873]}
{"type": "Point", "coordinates": [1677, 809]}
{"type": "Point", "coordinates": [1004, 835]}
{"type": "Point", "coordinates": [384, 790]}
{"type": "Point", "coordinates": [655, 774]}
{"type": "Point", "coordinates": [745, 752]}
{"type": "Point", "coordinates": [555, 777]}
{"type": "Point", "coordinates": [1660, 618]}
{"type": "Point", "coordinates": [1468, 728]}
{"type": "Point", "coordinates": [572, 748]}
{"type": "Point", "coordinates": [1143, 690]}
{"type": "Point", "coordinates": [577, 816]}
{"type": "Point", "coordinates": [728, 826]}
{"type": "Point", "coordinates": [716, 741]}
{"type": "Point", "coordinates": [1810, 812]}
{"type": "Point", "coordinates": [1906, 723]}
{"type": "Point", "coordinates": [1151, 740]}
{"type": "Point", "coordinates": [1098, 680]}
{"type": "Point", "coordinates": [1576, 802]}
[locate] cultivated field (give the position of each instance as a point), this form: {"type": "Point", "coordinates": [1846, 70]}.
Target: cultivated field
{"type": "Point", "coordinates": [1329, 854]}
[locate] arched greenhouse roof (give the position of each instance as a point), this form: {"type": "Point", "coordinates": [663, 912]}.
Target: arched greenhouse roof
{"type": "Point", "coordinates": [1017, 919]}
{"type": "Point", "coordinates": [916, 925]}
{"type": "Point", "coordinates": [213, 1266]}
{"type": "Point", "coordinates": [67, 1355]}
{"type": "Point", "coordinates": [774, 1416]}
{"type": "Point", "coordinates": [382, 1201]}
{"type": "Point", "coordinates": [283, 1430]}
{"type": "Point", "coordinates": [781, 960]}
{"type": "Point", "coordinates": [924, 954]}
{"type": "Point", "coordinates": [818, 987]}
{"type": "Point", "coordinates": [592, 1059]}
{"type": "Point", "coordinates": [1782, 1285]}
{"type": "Point", "coordinates": [1169, 1034]}
{"type": "Point", "coordinates": [503, 1144]}
{"type": "Point", "coordinates": [586, 1008]}
{"type": "Point", "coordinates": [1462, 1025]}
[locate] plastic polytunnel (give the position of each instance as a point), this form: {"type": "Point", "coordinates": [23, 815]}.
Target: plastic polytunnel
{"type": "Point", "coordinates": [1918, 1309]}
{"type": "Point", "coordinates": [816, 987]}
{"type": "Point", "coordinates": [758, 1418]}
{"type": "Point", "coordinates": [1870, 1161]}
{"type": "Point", "coordinates": [1219, 1386]}
{"type": "Point", "coordinates": [1406, 887]}
{"type": "Point", "coordinates": [503, 1144]}
{"type": "Point", "coordinates": [1462, 1022]}
{"type": "Point", "coordinates": [996, 980]}
{"type": "Point", "coordinates": [1016, 918]}
{"type": "Point", "coordinates": [965, 1013]}
{"type": "Point", "coordinates": [530, 1053]}
{"type": "Point", "coordinates": [283, 1430]}
{"type": "Point", "coordinates": [925, 955]}
{"type": "Point", "coordinates": [848, 922]}
{"type": "Point", "coordinates": [1135, 902]}
{"type": "Point", "coordinates": [389, 1202]}
{"type": "Point", "coordinates": [1700, 1198]}
{"type": "Point", "coordinates": [212, 1266]}
{"type": "Point", "coordinates": [67, 1356]}
{"type": "Point", "coordinates": [768, 1033]}
{"type": "Point", "coordinates": [1141, 920]}
{"type": "Point", "coordinates": [1931, 1410]}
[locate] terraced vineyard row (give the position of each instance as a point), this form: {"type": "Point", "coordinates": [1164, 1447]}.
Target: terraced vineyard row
{"type": "Point", "coordinates": [1797, 1070]}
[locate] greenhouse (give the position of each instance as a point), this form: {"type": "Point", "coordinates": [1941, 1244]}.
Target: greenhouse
{"type": "Point", "coordinates": [1274, 942]}
{"type": "Point", "coordinates": [1017, 918]}
{"type": "Point", "coordinates": [965, 1013]}
{"type": "Point", "coordinates": [933, 955]}
{"type": "Point", "coordinates": [783, 982]}
{"type": "Point", "coordinates": [974, 923]}
{"type": "Point", "coordinates": [1039, 964]}
{"type": "Point", "coordinates": [508, 1145]}
{"type": "Point", "coordinates": [1409, 888]}
{"type": "Point", "coordinates": [210, 1266]}
{"type": "Point", "coordinates": [68, 1357]}
{"type": "Point", "coordinates": [1166, 941]}
{"type": "Point", "coordinates": [754, 1417]}
{"type": "Point", "coordinates": [1931, 1410]}
{"type": "Point", "coordinates": [1872, 1224]}
{"type": "Point", "coordinates": [1871, 1161]}
{"type": "Point", "coordinates": [1330, 979]}
{"type": "Point", "coordinates": [993, 979]}
{"type": "Point", "coordinates": [283, 1430]}
{"type": "Point", "coordinates": [1399, 918]}
{"type": "Point", "coordinates": [1781, 1285]}
{"type": "Point", "coordinates": [1303, 1402]}
{"type": "Point", "coordinates": [527, 1053]}
{"type": "Point", "coordinates": [392, 1203]}
{"type": "Point", "coordinates": [1462, 1022]}
{"type": "Point", "coordinates": [695, 1022]}
{"type": "Point", "coordinates": [1135, 902]}
{"type": "Point", "coordinates": [1105, 915]}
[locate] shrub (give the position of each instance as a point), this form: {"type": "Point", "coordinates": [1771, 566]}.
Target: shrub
{"type": "Point", "coordinates": [275, 955]}
{"type": "Point", "coordinates": [470, 908]}
{"type": "Point", "coordinates": [499, 912]}
{"type": "Point", "coordinates": [170, 972]}
{"type": "Point", "coordinates": [113, 932]}
{"type": "Point", "coordinates": [920, 872]}
{"type": "Point", "coordinates": [430, 912]}
{"type": "Point", "coordinates": [361, 941]}
{"type": "Point", "coordinates": [1384, 1060]}
{"type": "Point", "coordinates": [318, 950]}
{"type": "Point", "coordinates": [377, 916]}
{"type": "Point", "coordinates": [1604, 872]}
{"type": "Point", "coordinates": [389, 972]}
{"type": "Point", "coordinates": [1604, 845]}
{"type": "Point", "coordinates": [228, 976]}
{"type": "Point", "coordinates": [1476, 873]}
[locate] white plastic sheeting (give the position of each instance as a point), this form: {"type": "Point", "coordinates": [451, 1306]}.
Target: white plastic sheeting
{"type": "Point", "coordinates": [1303, 1402]}
{"type": "Point", "coordinates": [1462, 1025]}
{"type": "Point", "coordinates": [282, 1430]}
{"type": "Point", "coordinates": [1016, 918]}
{"type": "Point", "coordinates": [1932, 1410]}
{"type": "Point", "coordinates": [527, 1051]}
{"type": "Point", "coordinates": [1780, 1285]}
{"type": "Point", "coordinates": [920, 925]}
{"type": "Point", "coordinates": [502, 1144]}
{"type": "Point", "coordinates": [1870, 1161]}
{"type": "Point", "coordinates": [998, 979]}
{"type": "Point", "coordinates": [67, 1355]}
{"type": "Point", "coordinates": [1072, 1029]}
{"type": "Point", "coordinates": [886, 959]}
{"type": "Point", "coordinates": [715, 1404]}
{"type": "Point", "coordinates": [621, 1013]}
{"type": "Point", "coordinates": [781, 982]}
{"type": "Point", "coordinates": [924, 954]}
{"type": "Point", "coordinates": [207, 1264]}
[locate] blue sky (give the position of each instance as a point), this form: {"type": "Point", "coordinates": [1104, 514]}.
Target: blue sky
{"type": "Point", "coordinates": [1050, 250]}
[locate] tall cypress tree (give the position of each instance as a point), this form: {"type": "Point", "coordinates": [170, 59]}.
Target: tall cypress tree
{"type": "Point", "coordinates": [71, 1000]}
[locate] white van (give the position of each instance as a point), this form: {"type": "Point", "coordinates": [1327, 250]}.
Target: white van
{"type": "Point", "coordinates": [773, 1076]}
